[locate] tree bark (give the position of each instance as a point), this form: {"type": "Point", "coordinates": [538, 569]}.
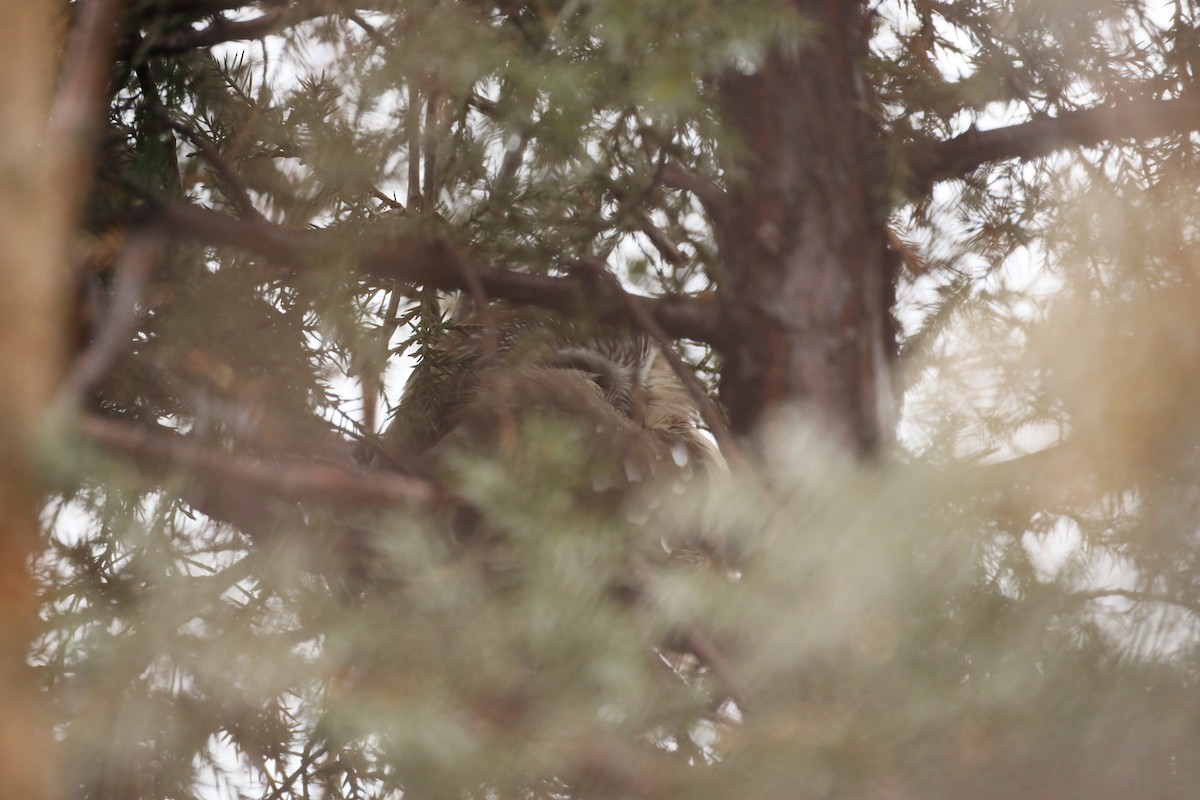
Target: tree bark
{"type": "Point", "coordinates": [805, 299]}
{"type": "Point", "coordinates": [29, 353]}
{"type": "Point", "coordinates": [45, 167]}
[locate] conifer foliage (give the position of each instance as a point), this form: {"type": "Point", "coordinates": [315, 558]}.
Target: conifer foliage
{"type": "Point", "coordinates": [925, 273]}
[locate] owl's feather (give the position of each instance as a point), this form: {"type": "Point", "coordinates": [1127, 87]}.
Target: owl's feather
{"type": "Point", "coordinates": [614, 391]}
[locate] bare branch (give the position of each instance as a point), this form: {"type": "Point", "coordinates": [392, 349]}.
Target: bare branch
{"type": "Point", "coordinates": [1140, 119]}
{"type": "Point", "coordinates": [711, 197]}
{"type": "Point", "coordinates": [412, 123]}
{"type": "Point", "coordinates": [429, 150]}
{"type": "Point", "coordinates": [390, 202]}
{"type": "Point", "coordinates": [662, 243]}
{"type": "Point", "coordinates": [482, 104]}
{"type": "Point", "coordinates": [372, 32]}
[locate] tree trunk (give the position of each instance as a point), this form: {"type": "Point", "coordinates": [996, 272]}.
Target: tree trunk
{"type": "Point", "coordinates": [29, 358]}
{"type": "Point", "coordinates": [806, 296]}
{"type": "Point", "coordinates": [45, 167]}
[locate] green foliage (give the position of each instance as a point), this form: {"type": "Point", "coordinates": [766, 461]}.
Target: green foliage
{"type": "Point", "coordinates": [963, 619]}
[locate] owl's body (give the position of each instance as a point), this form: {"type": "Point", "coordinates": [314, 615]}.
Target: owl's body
{"type": "Point", "coordinates": [615, 394]}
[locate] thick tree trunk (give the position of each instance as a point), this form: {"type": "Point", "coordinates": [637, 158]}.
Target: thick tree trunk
{"type": "Point", "coordinates": [806, 297]}
{"type": "Point", "coordinates": [45, 166]}
{"type": "Point", "coordinates": [30, 324]}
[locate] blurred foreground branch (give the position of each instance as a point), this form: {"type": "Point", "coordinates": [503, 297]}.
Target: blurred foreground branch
{"type": "Point", "coordinates": [45, 158]}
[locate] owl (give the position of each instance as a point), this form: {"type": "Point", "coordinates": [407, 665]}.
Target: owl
{"type": "Point", "coordinates": [611, 391]}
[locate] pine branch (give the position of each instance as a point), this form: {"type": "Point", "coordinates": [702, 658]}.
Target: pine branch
{"type": "Point", "coordinates": [439, 265]}
{"type": "Point", "coordinates": [1136, 120]}
{"type": "Point", "coordinates": [281, 14]}
{"type": "Point", "coordinates": [204, 7]}
{"type": "Point", "coordinates": [228, 480]}
{"type": "Point", "coordinates": [436, 264]}
{"type": "Point", "coordinates": [1135, 596]}
{"type": "Point", "coordinates": [234, 185]}
{"type": "Point", "coordinates": [219, 31]}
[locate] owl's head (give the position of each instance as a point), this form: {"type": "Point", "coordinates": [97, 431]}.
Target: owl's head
{"type": "Point", "coordinates": [614, 391]}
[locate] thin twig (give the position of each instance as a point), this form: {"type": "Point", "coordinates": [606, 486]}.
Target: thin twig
{"type": "Point", "coordinates": [635, 209]}
{"type": "Point", "coordinates": [391, 203]}
{"type": "Point", "coordinates": [430, 151]}
{"type": "Point", "coordinates": [662, 243]}
{"type": "Point", "coordinates": [372, 32]}
{"type": "Point", "coordinates": [482, 104]}
{"type": "Point", "coordinates": [510, 165]}
{"type": "Point", "coordinates": [628, 205]}
{"type": "Point", "coordinates": [371, 383]}
{"type": "Point", "coordinates": [412, 121]}
{"type": "Point", "coordinates": [306, 761]}
{"type": "Point", "coordinates": [712, 197]}
{"type": "Point", "coordinates": [235, 186]}
{"type": "Point", "coordinates": [390, 320]}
